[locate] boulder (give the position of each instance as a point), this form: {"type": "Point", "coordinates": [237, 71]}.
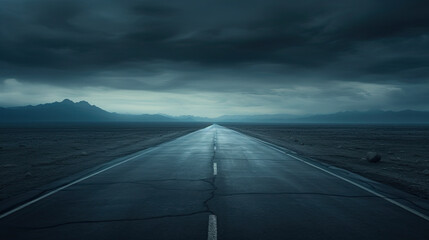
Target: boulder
{"type": "Point", "coordinates": [373, 157]}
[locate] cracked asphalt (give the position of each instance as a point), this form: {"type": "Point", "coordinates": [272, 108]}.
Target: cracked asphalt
{"type": "Point", "coordinates": [169, 193]}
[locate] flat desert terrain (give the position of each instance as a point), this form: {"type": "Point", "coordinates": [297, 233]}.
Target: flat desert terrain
{"type": "Point", "coordinates": [404, 149]}
{"type": "Point", "coordinates": [31, 156]}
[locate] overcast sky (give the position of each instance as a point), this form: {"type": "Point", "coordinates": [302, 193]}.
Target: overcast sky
{"type": "Point", "coordinates": [210, 58]}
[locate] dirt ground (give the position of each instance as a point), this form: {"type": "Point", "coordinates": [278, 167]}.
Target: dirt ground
{"type": "Point", "coordinates": [33, 156]}
{"type": "Point", "coordinates": [404, 149]}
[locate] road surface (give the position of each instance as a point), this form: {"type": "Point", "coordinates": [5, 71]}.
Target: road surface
{"type": "Point", "coordinates": [216, 184]}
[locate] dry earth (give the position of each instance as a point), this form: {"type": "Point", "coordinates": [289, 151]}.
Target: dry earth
{"type": "Point", "coordinates": [404, 149]}
{"type": "Point", "coordinates": [33, 156]}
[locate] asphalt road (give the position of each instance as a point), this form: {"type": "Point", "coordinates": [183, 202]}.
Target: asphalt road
{"type": "Point", "coordinates": [216, 183]}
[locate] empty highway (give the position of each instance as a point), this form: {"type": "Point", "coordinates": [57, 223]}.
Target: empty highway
{"type": "Point", "coordinates": [216, 183]}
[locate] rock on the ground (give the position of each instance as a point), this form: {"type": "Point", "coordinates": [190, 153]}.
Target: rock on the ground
{"type": "Point", "coordinates": [373, 157]}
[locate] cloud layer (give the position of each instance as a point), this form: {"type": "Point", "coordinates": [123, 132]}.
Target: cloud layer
{"type": "Point", "coordinates": [314, 55]}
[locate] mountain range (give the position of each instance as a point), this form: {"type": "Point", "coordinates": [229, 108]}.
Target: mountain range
{"type": "Point", "coordinates": [69, 111]}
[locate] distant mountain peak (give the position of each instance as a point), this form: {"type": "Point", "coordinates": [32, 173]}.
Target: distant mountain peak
{"type": "Point", "coordinates": [84, 103]}
{"type": "Point", "coordinates": [80, 103]}
{"type": "Point", "coordinates": [68, 101]}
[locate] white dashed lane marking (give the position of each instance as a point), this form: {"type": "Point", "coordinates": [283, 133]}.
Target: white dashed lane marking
{"type": "Point", "coordinates": [215, 169]}
{"type": "Point", "coordinates": [212, 232]}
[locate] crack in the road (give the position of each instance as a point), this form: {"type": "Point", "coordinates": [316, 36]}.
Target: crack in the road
{"type": "Point", "coordinates": [254, 159]}
{"type": "Point", "coordinates": [212, 195]}
{"type": "Point", "coordinates": [205, 205]}
{"type": "Point", "coordinates": [150, 180]}
{"type": "Point", "coordinates": [295, 193]}
{"type": "Point", "coordinates": [206, 210]}
{"type": "Point", "coordinates": [115, 220]}
{"type": "Point", "coordinates": [317, 194]}
{"type": "Point", "coordinates": [150, 184]}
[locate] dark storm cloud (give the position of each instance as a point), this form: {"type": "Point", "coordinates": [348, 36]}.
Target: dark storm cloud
{"type": "Point", "coordinates": [207, 45]}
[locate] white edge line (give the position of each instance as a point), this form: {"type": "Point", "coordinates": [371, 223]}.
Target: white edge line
{"type": "Point", "coordinates": [212, 231]}
{"type": "Point", "coordinates": [366, 189]}
{"type": "Point", "coordinates": [69, 184]}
